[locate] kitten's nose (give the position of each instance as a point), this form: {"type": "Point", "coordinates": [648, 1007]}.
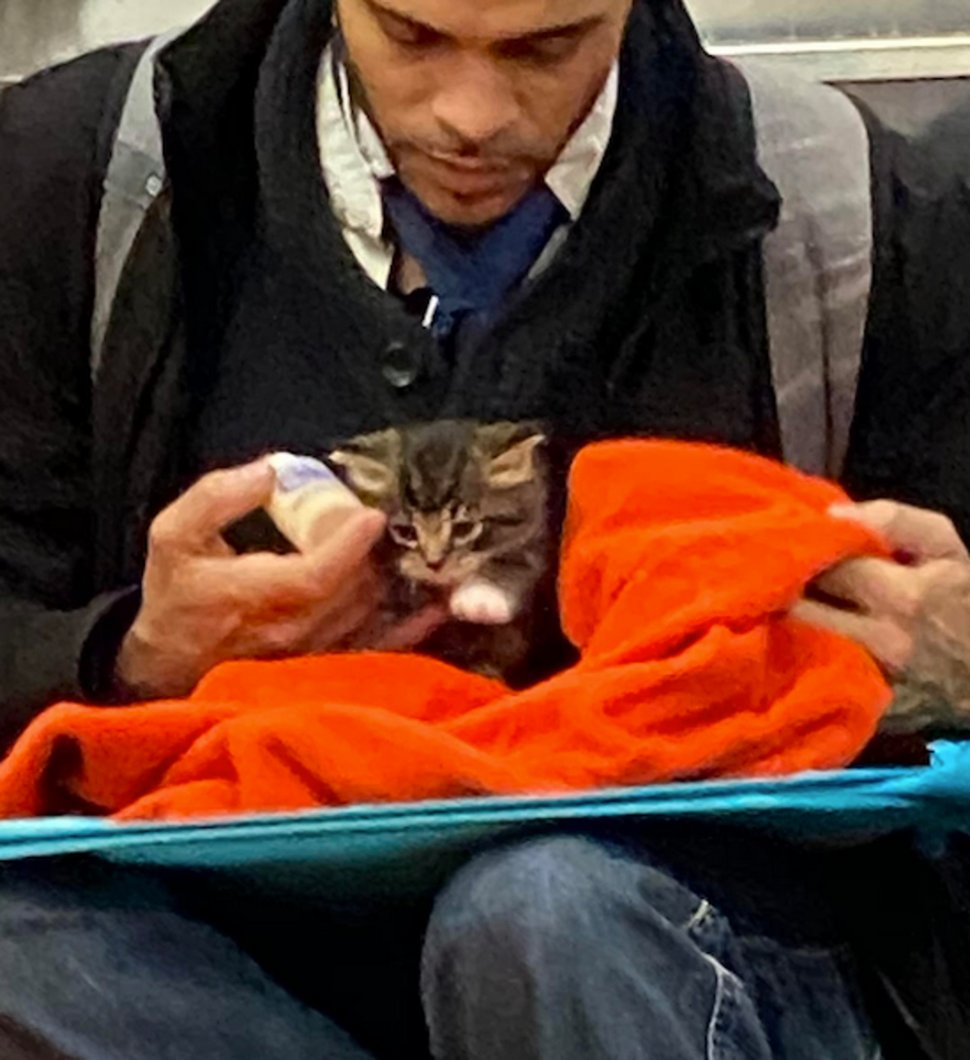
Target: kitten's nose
{"type": "Point", "coordinates": [435, 564]}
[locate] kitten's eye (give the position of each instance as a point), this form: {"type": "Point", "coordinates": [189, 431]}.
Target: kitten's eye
{"type": "Point", "coordinates": [464, 531]}
{"type": "Point", "coordinates": [404, 534]}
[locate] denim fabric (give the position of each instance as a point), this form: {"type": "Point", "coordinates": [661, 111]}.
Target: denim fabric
{"type": "Point", "coordinates": [552, 949]}
{"type": "Point", "coordinates": [101, 965]}
{"type": "Point", "coordinates": [567, 947]}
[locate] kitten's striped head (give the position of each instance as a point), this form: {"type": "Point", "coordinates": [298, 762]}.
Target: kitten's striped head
{"type": "Point", "coordinates": [456, 493]}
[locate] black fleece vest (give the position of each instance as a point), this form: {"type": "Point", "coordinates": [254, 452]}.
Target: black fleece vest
{"type": "Point", "coordinates": [649, 321]}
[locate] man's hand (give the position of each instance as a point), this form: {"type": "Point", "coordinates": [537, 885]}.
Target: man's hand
{"type": "Point", "coordinates": [913, 614]}
{"type": "Point", "coordinates": [203, 604]}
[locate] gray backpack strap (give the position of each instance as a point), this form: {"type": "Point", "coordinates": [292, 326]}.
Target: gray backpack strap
{"type": "Point", "coordinates": [134, 178]}
{"type": "Point", "coordinates": [813, 144]}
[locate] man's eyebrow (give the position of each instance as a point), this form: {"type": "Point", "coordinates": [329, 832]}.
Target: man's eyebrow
{"type": "Point", "coordinates": [540, 36]}
{"type": "Point", "coordinates": [565, 31]}
{"type": "Point", "coordinates": [398, 16]}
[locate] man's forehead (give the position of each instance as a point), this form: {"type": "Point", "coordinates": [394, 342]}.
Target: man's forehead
{"type": "Point", "coordinates": [496, 19]}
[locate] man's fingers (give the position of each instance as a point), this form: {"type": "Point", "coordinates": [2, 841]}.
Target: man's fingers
{"type": "Point", "coordinates": [876, 585]}
{"type": "Point", "coordinates": [887, 642]}
{"type": "Point", "coordinates": [412, 632]}
{"type": "Point", "coordinates": [920, 534]}
{"type": "Point", "coordinates": [346, 550]}
{"type": "Point", "coordinates": [340, 632]}
{"type": "Point", "coordinates": [195, 520]}
{"type": "Point", "coordinates": [263, 583]}
{"type": "Point", "coordinates": [305, 635]}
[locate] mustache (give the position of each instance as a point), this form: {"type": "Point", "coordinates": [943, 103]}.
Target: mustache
{"type": "Point", "coordinates": [504, 150]}
{"type": "Point", "coordinates": [502, 154]}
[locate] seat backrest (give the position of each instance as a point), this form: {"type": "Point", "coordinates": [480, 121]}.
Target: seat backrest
{"type": "Point", "coordinates": [813, 144]}
{"type": "Point", "coordinates": [133, 180]}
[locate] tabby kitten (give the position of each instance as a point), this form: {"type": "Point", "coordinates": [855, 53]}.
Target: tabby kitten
{"type": "Point", "coordinates": [467, 506]}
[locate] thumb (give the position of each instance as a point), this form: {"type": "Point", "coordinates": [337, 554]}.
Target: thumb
{"type": "Point", "coordinates": [915, 534]}
{"type": "Point", "coordinates": [215, 501]}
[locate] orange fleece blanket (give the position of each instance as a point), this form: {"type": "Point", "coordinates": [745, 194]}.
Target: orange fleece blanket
{"type": "Point", "coordinates": [678, 566]}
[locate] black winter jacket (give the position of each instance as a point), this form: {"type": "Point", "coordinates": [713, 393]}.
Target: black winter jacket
{"type": "Point", "coordinates": [82, 472]}
{"type": "Point", "coordinates": [79, 476]}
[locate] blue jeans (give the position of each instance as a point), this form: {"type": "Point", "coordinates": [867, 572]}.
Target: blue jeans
{"type": "Point", "coordinates": [103, 965]}
{"type": "Point", "coordinates": [556, 948]}
{"type": "Point", "coordinates": [576, 949]}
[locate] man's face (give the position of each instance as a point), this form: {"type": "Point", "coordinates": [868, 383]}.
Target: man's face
{"type": "Point", "coordinates": [475, 99]}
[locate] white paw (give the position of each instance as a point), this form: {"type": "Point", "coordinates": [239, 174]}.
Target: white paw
{"type": "Point", "coordinates": [483, 604]}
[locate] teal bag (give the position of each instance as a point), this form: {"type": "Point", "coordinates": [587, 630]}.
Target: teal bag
{"type": "Point", "coordinates": [402, 851]}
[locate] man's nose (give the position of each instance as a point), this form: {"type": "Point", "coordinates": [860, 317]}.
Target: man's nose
{"type": "Point", "coordinates": [475, 102]}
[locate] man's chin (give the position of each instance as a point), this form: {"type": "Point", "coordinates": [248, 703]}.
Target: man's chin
{"type": "Point", "coordinates": [467, 211]}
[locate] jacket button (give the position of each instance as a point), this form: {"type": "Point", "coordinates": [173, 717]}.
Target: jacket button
{"type": "Point", "coordinates": [400, 366]}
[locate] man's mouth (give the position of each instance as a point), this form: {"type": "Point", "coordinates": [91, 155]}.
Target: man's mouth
{"type": "Point", "coordinates": [469, 176]}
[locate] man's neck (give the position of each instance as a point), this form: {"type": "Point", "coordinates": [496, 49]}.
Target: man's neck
{"type": "Point", "coordinates": [407, 276]}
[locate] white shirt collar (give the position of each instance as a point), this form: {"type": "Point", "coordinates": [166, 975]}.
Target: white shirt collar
{"type": "Point", "coordinates": [354, 159]}
{"type": "Point", "coordinates": [572, 174]}
{"type": "Point", "coordinates": [352, 177]}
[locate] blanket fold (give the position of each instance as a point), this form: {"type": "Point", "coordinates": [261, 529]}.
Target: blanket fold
{"type": "Point", "coordinates": [679, 564]}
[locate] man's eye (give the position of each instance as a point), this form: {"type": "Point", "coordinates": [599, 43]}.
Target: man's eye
{"type": "Point", "coordinates": [540, 53]}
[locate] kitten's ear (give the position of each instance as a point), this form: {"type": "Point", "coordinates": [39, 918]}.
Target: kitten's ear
{"type": "Point", "coordinates": [370, 464]}
{"type": "Point", "coordinates": [516, 465]}
{"type": "Point", "coordinates": [365, 475]}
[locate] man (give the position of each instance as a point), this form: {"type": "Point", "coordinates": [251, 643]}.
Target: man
{"type": "Point", "coordinates": [391, 210]}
